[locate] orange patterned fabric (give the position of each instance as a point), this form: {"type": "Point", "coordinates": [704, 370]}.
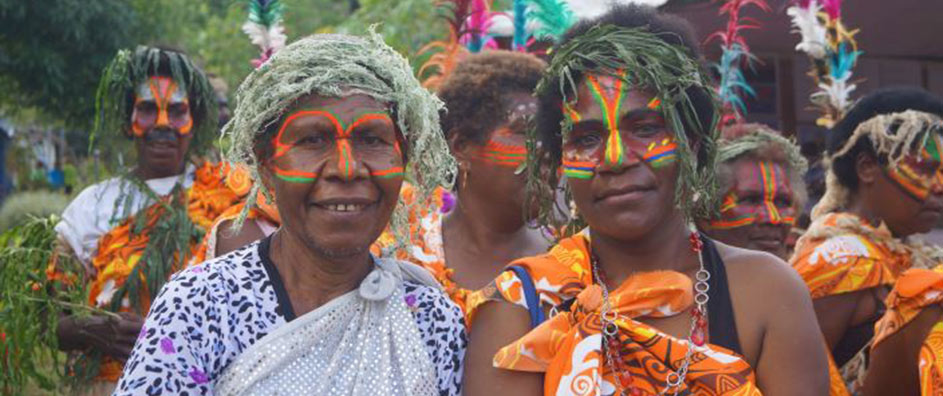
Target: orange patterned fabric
{"type": "Point", "coordinates": [120, 249]}
{"type": "Point", "coordinates": [916, 289]}
{"type": "Point", "coordinates": [425, 247]}
{"type": "Point", "coordinates": [239, 183]}
{"type": "Point", "coordinates": [848, 260]}
{"type": "Point", "coordinates": [569, 346]}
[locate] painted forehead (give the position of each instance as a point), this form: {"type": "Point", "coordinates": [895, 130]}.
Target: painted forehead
{"type": "Point", "coordinates": [350, 106]}
{"type": "Point", "coordinates": [160, 88]}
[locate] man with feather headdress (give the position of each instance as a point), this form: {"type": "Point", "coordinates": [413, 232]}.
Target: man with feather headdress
{"type": "Point", "coordinates": [131, 232]}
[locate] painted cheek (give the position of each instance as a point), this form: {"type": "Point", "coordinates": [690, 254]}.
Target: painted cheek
{"type": "Point", "coordinates": [733, 214]}
{"type": "Point", "coordinates": [503, 154]}
{"type": "Point", "coordinates": [140, 123]}
{"type": "Point", "coordinates": [661, 154]}
{"type": "Point", "coordinates": [909, 181]}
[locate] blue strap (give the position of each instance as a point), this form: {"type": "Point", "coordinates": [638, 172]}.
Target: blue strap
{"type": "Point", "coordinates": [530, 296]}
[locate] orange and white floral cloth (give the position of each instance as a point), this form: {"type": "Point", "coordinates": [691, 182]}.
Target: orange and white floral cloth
{"type": "Point", "coordinates": [916, 289]}
{"type": "Point", "coordinates": [848, 259]}
{"type": "Point", "coordinates": [841, 253]}
{"type": "Point", "coordinates": [425, 247]}
{"type": "Point", "coordinates": [569, 346]}
{"type": "Point", "coordinates": [264, 212]}
{"type": "Point", "coordinates": [120, 249]}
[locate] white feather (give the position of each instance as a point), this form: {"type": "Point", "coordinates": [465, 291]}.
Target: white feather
{"type": "Point", "coordinates": [805, 21]}
{"type": "Point", "coordinates": [584, 9]}
{"type": "Point", "coordinates": [272, 38]}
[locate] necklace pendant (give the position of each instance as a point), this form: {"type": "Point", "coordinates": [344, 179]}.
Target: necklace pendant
{"type": "Point", "coordinates": [696, 243]}
{"type": "Point", "coordinates": [698, 336]}
{"type": "Point", "coordinates": [625, 379]}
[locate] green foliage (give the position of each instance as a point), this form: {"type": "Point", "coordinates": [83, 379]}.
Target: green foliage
{"type": "Point", "coordinates": [30, 304]}
{"type": "Point", "coordinates": [20, 207]}
{"type": "Point", "coordinates": [52, 53]}
{"type": "Point", "coordinates": [406, 25]}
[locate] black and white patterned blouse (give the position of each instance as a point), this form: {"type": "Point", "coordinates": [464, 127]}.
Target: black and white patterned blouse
{"type": "Point", "coordinates": [207, 315]}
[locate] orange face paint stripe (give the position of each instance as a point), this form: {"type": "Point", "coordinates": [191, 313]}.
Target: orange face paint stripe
{"type": "Point", "coordinates": [389, 173]}
{"type": "Point", "coordinates": [503, 154]}
{"type": "Point", "coordinates": [741, 221]}
{"type": "Point", "coordinates": [768, 177]}
{"type": "Point", "coordinates": [615, 150]}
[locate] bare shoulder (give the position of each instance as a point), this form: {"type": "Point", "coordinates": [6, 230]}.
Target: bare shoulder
{"type": "Point", "coordinates": [760, 273]}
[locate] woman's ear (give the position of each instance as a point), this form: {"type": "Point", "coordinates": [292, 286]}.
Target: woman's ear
{"type": "Point", "coordinates": [461, 148]}
{"type": "Point", "coordinates": [867, 168]}
{"type": "Point", "coordinates": [265, 173]}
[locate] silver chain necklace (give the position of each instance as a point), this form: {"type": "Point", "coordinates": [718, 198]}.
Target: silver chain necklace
{"type": "Point", "coordinates": [696, 337]}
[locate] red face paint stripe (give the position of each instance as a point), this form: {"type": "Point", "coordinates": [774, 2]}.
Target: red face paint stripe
{"type": "Point", "coordinates": [282, 148]}
{"type": "Point", "coordinates": [744, 220]}
{"type": "Point", "coordinates": [389, 173]}
{"type": "Point", "coordinates": [768, 177]}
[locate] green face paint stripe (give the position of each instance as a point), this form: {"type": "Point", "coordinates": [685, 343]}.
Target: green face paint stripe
{"type": "Point", "coordinates": [917, 192]}
{"type": "Point", "coordinates": [282, 148]}
{"type": "Point", "coordinates": [389, 173]}
{"type": "Point", "coordinates": [615, 151]}
{"type": "Point", "coordinates": [296, 179]}
{"type": "Point", "coordinates": [768, 178]}
{"type": "Point", "coordinates": [578, 174]}
{"type": "Point", "coordinates": [295, 176]}
{"type": "Point", "coordinates": [932, 147]}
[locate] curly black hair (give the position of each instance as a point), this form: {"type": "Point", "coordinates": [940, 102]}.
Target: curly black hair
{"type": "Point", "coordinates": [887, 100]}
{"type": "Point", "coordinates": [671, 29]}
{"type": "Point", "coordinates": [476, 92]}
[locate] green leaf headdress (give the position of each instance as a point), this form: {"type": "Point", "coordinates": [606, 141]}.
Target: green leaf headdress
{"type": "Point", "coordinates": [339, 65]}
{"type": "Point", "coordinates": [649, 63]}
{"type": "Point", "coordinates": [115, 96]}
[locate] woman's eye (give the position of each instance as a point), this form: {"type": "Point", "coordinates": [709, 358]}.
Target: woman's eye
{"type": "Point", "coordinates": [370, 140]}
{"type": "Point", "coordinates": [783, 202]}
{"type": "Point", "coordinates": [585, 141]}
{"type": "Point", "coordinates": [751, 200]}
{"type": "Point", "coordinates": [146, 107]}
{"type": "Point", "coordinates": [313, 140]}
{"type": "Point", "coordinates": [647, 128]}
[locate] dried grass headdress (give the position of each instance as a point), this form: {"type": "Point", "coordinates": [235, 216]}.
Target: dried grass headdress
{"type": "Point", "coordinates": [893, 136]}
{"type": "Point", "coordinates": [341, 65]}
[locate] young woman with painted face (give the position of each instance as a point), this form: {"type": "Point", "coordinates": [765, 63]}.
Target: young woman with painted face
{"type": "Point", "coordinates": [638, 303]}
{"type": "Point", "coordinates": [489, 107]}
{"type": "Point", "coordinates": [760, 176]}
{"type": "Point", "coordinates": [883, 185]}
{"type": "Point", "coordinates": [331, 124]}
{"type": "Point", "coordinates": [158, 102]}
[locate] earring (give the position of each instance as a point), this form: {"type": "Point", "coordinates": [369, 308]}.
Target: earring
{"type": "Point", "coordinates": [464, 177]}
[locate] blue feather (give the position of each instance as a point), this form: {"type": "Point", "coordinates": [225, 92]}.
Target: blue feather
{"type": "Point", "coordinates": [520, 25]}
{"type": "Point", "coordinates": [554, 16]}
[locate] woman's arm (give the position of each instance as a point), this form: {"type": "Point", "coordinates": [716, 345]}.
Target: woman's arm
{"type": "Point", "coordinates": [775, 312]}
{"type": "Point", "coordinates": [892, 369]}
{"type": "Point", "coordinates": [497, 324]}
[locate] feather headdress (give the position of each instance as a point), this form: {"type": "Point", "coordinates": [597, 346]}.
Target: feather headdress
{"type": "Point", "coordinates": [735, 54]}
{"type": "Point", "coordinates": [448, 52]}
{"type": "Point", "coordinates": [833, 52]}
{"type": "Point", "coordinates": [552, 17]}
{"type": "Point", "coordinates": [264, 28]}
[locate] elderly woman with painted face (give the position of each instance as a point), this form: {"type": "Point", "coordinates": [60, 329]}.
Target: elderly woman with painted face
{"type": "Point", "coordinates": [884, 184]}
{"type": "Point", "coordinates": [760, 175]}
{"type": "Point", "coordinates": [331, 124]}
{"type": "Point", "coordinates": [639, 303]}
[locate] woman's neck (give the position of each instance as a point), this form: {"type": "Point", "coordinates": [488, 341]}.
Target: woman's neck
{"type": "Point", "coordinates": [476, 230]}
{"type": "Point", "coordinates": [667, 247]}
{"type": "Point", "coordinates": [312, 279]}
